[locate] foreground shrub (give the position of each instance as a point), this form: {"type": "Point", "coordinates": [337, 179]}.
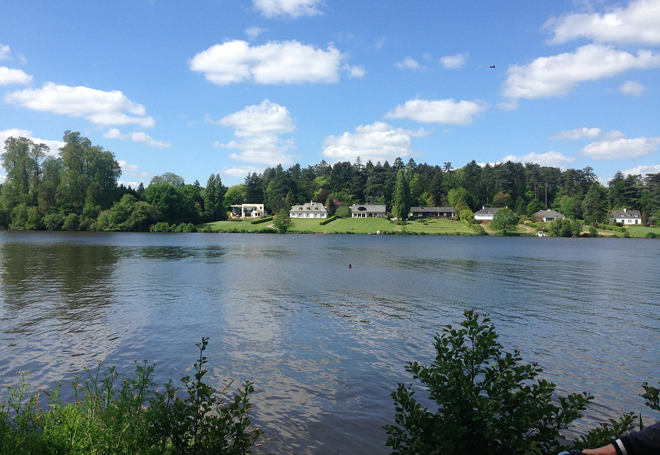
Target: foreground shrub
{"type": "Point", "coordinates": [486, 401]}
{"type": "Point", "coordinates": [112, 414]}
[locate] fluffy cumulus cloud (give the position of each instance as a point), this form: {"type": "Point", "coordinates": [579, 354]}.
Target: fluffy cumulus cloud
{"type": "Point", "coordinates": [242, 171]}
{"type": "Point", "coordinates": [257, 129]}
{"type": "Point", "coordinates": [439, 111]}
{"type": "Point", "coordinates": [643, 170]}
{"type": "Point", "coordinates": [612, 149]}
{"type": "Point", "coordinates": [632, 88]}
{"type": "Point", "coordinates": [577, 133]}
{"type": "Point", "coordinates": [13, 76]}
{"type": "Point", "coordinates": [409, 63]}
{"type": "Point", "coordinates": [558, 75]}
{"type": "Point", "coordinates": [288, 8]}
{"type": "Point", "coordinates": [638, 22]}
{"type": "Point", "coordinates": [54, 146]}
{"type": "Point", "coordinates": [453, 62]}
{"type": "Point", "coordinates": [554, 159]}
{"type": "Point", "coordinates": [97, 106]}
{"type": "Point", "coordinates": [287, 62]}
{"type": "Point", "coordinates": [376, 142]}
{"type": "Point", "coordinates": [138, 136]}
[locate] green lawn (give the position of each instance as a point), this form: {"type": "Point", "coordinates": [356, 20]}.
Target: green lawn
{"type": "Point", "coordinates": [641, 231]}
{"type": "Point", "coordinates": [242, 225]}
{"type": "Point", "coordinates": [349, 225]}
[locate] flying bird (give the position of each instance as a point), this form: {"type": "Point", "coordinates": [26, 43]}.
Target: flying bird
{"type": "Point", "coordinates": [492, 66]}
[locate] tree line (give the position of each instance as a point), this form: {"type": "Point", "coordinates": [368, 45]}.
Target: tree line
{"type": "Point", "coordinates": [78, 190]}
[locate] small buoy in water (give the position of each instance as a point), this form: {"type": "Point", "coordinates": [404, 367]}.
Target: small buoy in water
{"type": "Point", "coordinates": [294, 238]}
{"type": "Point", "coordinates": [350, 266]}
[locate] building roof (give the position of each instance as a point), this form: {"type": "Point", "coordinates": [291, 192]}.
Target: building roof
{"type": "Point", "coordinates": [549, 214]}
{"type": "Point", "coordinates": [625, 213]}
{"type": "Point", "coordinates": [315, 207]}
{"type": "Point", "coordinates": [431, 209]}
{"type": "Point", "coordinates": [488, 211]}
{"type": "Point", "coordinates": [368, 208]}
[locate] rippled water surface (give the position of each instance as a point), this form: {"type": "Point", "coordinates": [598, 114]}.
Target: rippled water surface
{"type": "Point", "coordinates": [325, 344]}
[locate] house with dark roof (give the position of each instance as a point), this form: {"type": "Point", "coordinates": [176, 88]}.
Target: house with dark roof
{"type": "Point", "coordinates": [626, 216]}
{"type": "Point", "coordinates": [437, 212]}
{"type": "Point", "coordinates": [486, 213]}
{"type": "Point", "coordinates": [367, 211]}
{"type": "Point", "coordinates": [308, 210]}
{"type": "Point", "coordinates": [548, 215]}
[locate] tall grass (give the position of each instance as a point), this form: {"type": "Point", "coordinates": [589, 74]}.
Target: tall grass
{"type": "Point", "coordinates": [115, 414]}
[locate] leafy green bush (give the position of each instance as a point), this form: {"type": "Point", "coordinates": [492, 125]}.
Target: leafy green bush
{"type": "Point", "coordinates": [161, 226]}
{"type": "Point", "coordinates": [487, 401]}
{"type": "Point", "coordinates": [262, 220]}
{"type": "Point", "coordinates": [112, 414]}
{"type": "Point", "coordinates": [650, 235]}
{"type": "Point", "coordinates": [327, 220]}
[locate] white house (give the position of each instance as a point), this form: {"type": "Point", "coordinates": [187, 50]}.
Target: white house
{"type": "Point", "coordinates": [626, 216]}
{"type": "Point", "coordinates": [248, 211]}
{"type": "Point", "coordinates": [308, 210]}
{"type": "Point", "coordinates": [367, 211]}
{"type": "Point", "coordinates": [486, 213]}
{"type": "Point", "coordinates": [548, 215]}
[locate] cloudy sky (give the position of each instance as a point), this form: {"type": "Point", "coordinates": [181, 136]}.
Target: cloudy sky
{"type": "Point", "coordinates": [234, 86]}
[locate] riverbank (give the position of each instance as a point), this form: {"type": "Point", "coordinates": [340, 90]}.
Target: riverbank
{"type": "Point", "coordinates": [424, 226]}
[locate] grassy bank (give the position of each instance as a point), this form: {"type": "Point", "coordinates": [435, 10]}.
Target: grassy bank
{"type": "Point", "coordinates": [349, 226]}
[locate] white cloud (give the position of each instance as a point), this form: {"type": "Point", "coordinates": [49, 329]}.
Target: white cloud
{"type": "Point", "coordinates": [254, 32]}
{"type": "Point", "coordinates": [439, 111]}
{"type": "Point", "coordinates": [139, 136]}
{"type": "Point", "coordinates": [454, 62]}
{"type": "Point", "coordinates": [258, 128]}
{"type": "Point", "coordinates": [4, 52]}
{"type": "Point", "coordinates": [577, 133]}
{"type": "Point", "coordinates": [241, 171]}
{"type": "Point", "coordinates": [551, 158]}
{"type": "Point", "coordinates": [13, 76]}
{"type": "Point", "coordinates": [376, 142]}
{"type": "Point", "coordinates": [97, 106]}
{"type": "Point", "coordinates": [2, 178]}
{"type": "Point", "coordinates": [132, 170]}
{"type": "Point", "coordinates": [291, 8]}
{"type": "Point", "coordinates": [355, 71]}
{"type": "Point", "coordinates": [133, 185]}
{"type": "Point", "coordinates": [638, 22]}
{"type": "Point", "coordinates": [632, 88]}
{"type": "Point", "coordinates": [621, 148]}
{"type": "Point", "coordinates": [643, 170]}
{"type": "Point", "coordinates": [54, 146]}
{"type": "Point", "coordinates": [287, 62]}
{"type": "Point", "coordinates": [558, 75]}
{"type": "Point", "coordinates": [409, 63]}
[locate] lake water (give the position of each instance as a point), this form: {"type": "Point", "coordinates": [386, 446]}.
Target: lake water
{"type": "Point", "coordinates": [325, 344]}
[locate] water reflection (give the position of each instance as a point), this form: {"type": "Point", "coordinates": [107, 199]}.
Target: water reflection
{"type": "Point", "coordinates": [324, 344]}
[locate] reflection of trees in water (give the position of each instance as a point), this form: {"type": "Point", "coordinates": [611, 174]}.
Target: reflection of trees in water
{"type": "Point", "coordinates": [55, 303]}
{"type": "Point", "coordinates": [71, 276]}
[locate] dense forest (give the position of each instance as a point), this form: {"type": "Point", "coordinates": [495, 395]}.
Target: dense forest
{"type": "Point", "coordinates": [79, 190]}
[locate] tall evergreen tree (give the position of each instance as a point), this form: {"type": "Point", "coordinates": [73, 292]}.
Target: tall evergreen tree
{"type": "Point", "coordinates": [401, 196]}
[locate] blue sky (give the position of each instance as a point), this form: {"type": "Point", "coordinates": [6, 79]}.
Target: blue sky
{"type": "Point", "coordinates": [234, 86]}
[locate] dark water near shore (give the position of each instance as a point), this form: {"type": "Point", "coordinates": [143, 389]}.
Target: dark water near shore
{"type": "Point", "coordinates": [326, 345]}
